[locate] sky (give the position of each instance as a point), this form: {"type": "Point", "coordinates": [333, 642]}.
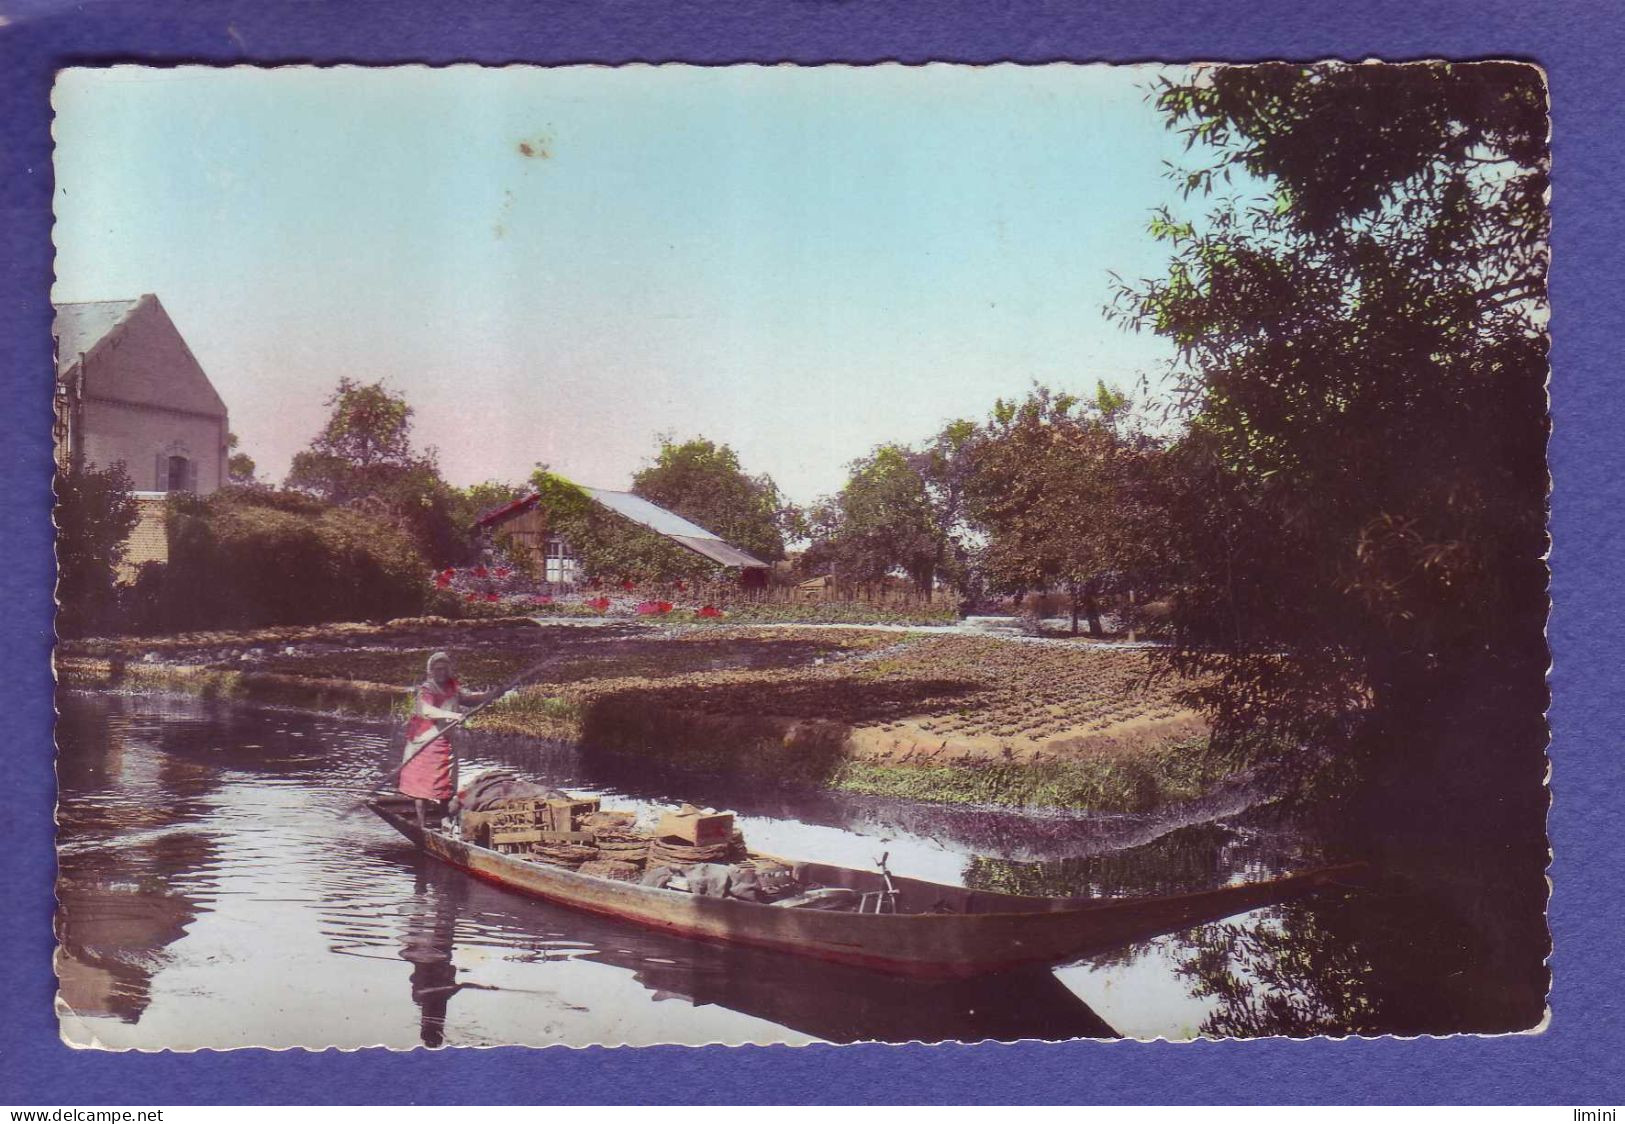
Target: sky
{"type": "Point", "coordinates": [562, 265]}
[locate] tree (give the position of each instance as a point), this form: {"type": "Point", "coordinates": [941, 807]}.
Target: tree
{"type": "Point", "coordinates": [703, 482]}
{"type": "Point", "coordinates": [95, 512]}
{"type": "Point", "coordinates": [469, 503]}
{"type": "Point", "coordinates": [945, 464]}
{"type": "Point", "coordinates": [364, 455]}
{"type": "Point", "coordinates": [240, 467]}
{"type": "Point", "coordinates": [882, 520]}
{"type": "Point", "coordinates": [1358, 500]}
{"type": "Point", "coordinates": [363, 449]}
{"type": "Point", "coordinates": [1049, 485]}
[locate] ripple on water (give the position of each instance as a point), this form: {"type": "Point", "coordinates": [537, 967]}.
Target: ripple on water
{"type": "Point", "coordinates": [214, 895]}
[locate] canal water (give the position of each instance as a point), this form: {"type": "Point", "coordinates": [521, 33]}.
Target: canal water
{"type": "Point", "coordinates": [214, 894]}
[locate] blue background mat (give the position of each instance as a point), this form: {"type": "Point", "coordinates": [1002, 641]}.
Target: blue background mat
{"type": "Point", "coordinates": [1575, 1061]}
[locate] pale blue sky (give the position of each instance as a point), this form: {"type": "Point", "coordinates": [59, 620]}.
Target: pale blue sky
{"type": "Point", "coordinates": [800, 262]}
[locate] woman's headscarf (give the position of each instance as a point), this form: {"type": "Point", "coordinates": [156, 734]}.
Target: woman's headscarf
{"type": "Point", "coordinates": [428, 670]}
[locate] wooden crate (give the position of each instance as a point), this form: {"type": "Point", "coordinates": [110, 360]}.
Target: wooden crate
{"type": "Point", "coordinates": [702, 829]}
{"type": "Point", "coordinates": [566, 815]}
{"type": "Point", "coordinates": [529, 835]}
{"type": "Point", "coordinates": [501, 836]}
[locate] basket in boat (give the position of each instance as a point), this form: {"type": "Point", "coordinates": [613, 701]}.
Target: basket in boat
{"type": "Point", "coordinates": [562, 854]}
{"type": "Point", "coordinates": [622, 846]}
{"type": "Point", "coordinates": [675, 852]}
{"type": "Point", "coordinates": [609, 868]}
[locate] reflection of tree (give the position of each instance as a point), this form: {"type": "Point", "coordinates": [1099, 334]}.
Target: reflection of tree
{"type": "Point", "coordinates": [1435, 951]}
{"type": "Point", "coordinates": [1449, 939]}
{"type": "Point", "coordinates": [1192, 858]}
{"type": "Point", "coordinates": [1286, 973]}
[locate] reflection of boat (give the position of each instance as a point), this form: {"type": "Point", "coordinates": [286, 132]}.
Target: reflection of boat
{"type": "Point", "coordinates": [828, 1001]}
{"type": "Point", "coordinates": [937, 930]}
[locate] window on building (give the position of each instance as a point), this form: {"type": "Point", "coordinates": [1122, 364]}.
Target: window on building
{"type": "Point", "coordinates": [561, 565]}
{"type": "Point", "coordinates": [178, 475]}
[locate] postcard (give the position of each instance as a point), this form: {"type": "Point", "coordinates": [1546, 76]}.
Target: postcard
{"type": "Point", "coordinates": [766, 554]}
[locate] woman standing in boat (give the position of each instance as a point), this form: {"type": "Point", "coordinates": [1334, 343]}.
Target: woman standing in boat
{"type": "Point", "coordinates": [430, 772]}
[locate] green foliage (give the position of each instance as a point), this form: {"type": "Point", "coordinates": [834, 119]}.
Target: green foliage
{"type": "Point", "coordinates": [240, 467]}
{"type": "Point", "coordinates": [834, 612]}
{"type": "Point", "coordinates": [884, 519]}
{"type": "Point", "coordinates": [95, 513]}
{"type": "Point", "coordinates": [1135, 783]}
{"type": "Point", "coordinates": [1053, 487]}
{"type": "Point", "coordinates": [363, 456]}
{"type": "Point", "coordinates": [1357, 509]}
{"type": "Point", "coordinates": [464, 506]}
{"type": "Point", "coordinates": [475, 500]}
{"type": "Point", "coordinates": [608, 545]}
{"type": "Point", "coordinates": [244, 558]}
{"type": "Point", "coordinates": [363, 449]}
{"type": "Point", "coordinates": [703, 482]}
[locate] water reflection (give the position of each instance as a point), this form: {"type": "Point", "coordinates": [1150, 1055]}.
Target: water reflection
{"type": "Point", "coordinates": [431, 926]}
{"type": "Point", "coordinates": [825, 1001]}
{"type": "Point", "coordinates": [205, 867]}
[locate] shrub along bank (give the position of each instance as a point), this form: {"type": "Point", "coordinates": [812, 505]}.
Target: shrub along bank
{"type": "Point", "coordinates": [251, 558]}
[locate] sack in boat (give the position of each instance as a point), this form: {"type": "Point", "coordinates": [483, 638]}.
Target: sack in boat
{"type": "Point", "coordinates": [715, 880]}
{"type": "Point", "coordinates": [609, 868]}
{"type": "Point", "coordinates": [661, 877]}
{"type": "Point", "coordinates": [495, 787]}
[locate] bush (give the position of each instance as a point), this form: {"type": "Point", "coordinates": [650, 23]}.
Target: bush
{"type": "Point", "coordinates": [249, 559]}
{"type": "Point", "coordinates": [95, 513]}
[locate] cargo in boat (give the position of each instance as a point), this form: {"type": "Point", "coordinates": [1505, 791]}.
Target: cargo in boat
{"type": "Point", "coordinates": [935, 931]}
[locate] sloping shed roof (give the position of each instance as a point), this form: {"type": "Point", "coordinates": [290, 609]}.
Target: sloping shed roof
{"type": "Point", "coordinates": [652, 516]}
{"type": "Point", "coordinates": [81, 325]}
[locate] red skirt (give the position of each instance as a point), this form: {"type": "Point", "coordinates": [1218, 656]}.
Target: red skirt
{"type": "Point", "coordinates": [428, 775]}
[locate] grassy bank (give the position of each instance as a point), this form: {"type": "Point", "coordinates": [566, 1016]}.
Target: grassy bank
{"type": "Point", "coordinates": [337, 696]}
{"type": "Point", "coordinates": [931, 717]}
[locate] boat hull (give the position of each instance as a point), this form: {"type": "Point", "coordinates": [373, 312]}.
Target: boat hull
{"type": "Point", "coordinates": [1004, 932]}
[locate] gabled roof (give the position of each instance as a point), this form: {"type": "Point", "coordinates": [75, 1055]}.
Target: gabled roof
{"type": "Point", "coordinates": [646, 514]}
{"type": "Point", "coordinates": [81, 325]}
{"type": "Point", "coordinates": [84, 329]}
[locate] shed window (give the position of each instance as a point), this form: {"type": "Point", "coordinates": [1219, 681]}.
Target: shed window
{"type": "Point", "coordinates": [560, 564]}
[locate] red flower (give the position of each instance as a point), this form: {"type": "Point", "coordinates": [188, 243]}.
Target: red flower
{"type": "Point", "coordinates": [628, 585]}
{"type": "Point", "coordinates": [441, 581]}
{"type": "Point", "coordinates": [503, 571]}
{"type": "Point", "coordinates": [492, 597]}
{"type": "Point", "coordinates": [471, 596]}
{"type": "Point", "coordinates": [709, 611]}
{"type": "Point", "coordinates": [599, 604]}
{"type": "Point", "coordinates": [541, 599]}
{"type": "Point", "coordinates": [651, 608]}
{"type": "Point", "coordinates": [479, 571]}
